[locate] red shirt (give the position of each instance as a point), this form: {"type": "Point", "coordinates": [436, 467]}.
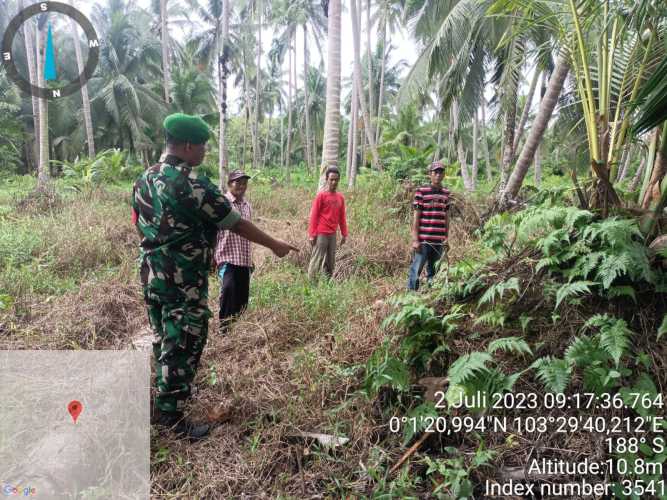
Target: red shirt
{"type": "Point", "coordinates": [327, 213]}
{"type": "Point", "coordinates": [433, 206]}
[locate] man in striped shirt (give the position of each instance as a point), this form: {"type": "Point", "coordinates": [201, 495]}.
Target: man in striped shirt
{"type": "Point", "coordinates": [233, 256]}
{"type": "Point", "coordinates": [430, 226]}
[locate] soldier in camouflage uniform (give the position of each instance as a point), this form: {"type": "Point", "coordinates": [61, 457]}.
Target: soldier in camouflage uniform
{"type": "Point", "coordinates": [178, 212]}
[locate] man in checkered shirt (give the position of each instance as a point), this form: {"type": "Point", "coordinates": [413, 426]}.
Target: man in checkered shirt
{"type": "Point", "coordinates": [233, 256]}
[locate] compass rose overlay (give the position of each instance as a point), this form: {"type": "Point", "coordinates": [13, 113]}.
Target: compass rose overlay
{"type": "Point", "coordinates": [15, 24]}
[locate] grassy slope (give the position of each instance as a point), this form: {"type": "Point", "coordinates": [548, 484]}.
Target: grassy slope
{"type": "Point", "coordinates": [295, 360]}
{"type": "Point", "coordinates": [292, 363]}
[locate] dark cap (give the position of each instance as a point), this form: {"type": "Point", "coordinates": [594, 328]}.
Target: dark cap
{"type": "Point", "coordinates": [436, 165]}
{"type": "Point", "coordinates": [235, 175]}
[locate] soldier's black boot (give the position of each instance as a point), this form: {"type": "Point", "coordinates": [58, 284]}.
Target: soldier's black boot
{"type": "Point", "coordinates": [183, 427]}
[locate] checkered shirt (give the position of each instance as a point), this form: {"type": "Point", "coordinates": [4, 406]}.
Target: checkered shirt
{"type": "Point", "coordinates": [231, 247]}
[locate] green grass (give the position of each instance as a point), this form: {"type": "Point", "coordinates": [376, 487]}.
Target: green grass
{"type": "Point", "coordinates": [288, 287]}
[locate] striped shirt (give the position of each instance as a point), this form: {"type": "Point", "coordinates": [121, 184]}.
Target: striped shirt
{"type": "Point", "coordinates": [231, 247]}
{"type": "Point", "coordinates": [433, 205]}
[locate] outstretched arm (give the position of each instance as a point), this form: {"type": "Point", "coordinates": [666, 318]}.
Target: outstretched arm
{"type": "Point", "coordinates": [251, 232]}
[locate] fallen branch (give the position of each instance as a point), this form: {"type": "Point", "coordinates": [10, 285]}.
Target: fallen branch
{"type": "Point", "coordinates": [409, 453]}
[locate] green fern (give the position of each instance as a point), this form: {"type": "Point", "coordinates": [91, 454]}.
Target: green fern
{"type": "Point", "coordinates": [494, 318]}
{"type": "Point", "coordinates": [553, 241]}
{"type": "Point", "coordinates": [613, 232]}
{"type": "Point", "coordinates": [611, 268]}
{"type": "Point", "coordinates": [622, 291]}
{"type": "Point", "coordinates": [572, 289]}
{"type": "Point", "coordinates": [467, 366]}
{"type": "Point", "coordinates": [582, 351]}
{"type": "Point", "coordinates": [614, 335]}
{"type": "Point", "coordinates": [525, 320]}
{"type": "Point", "coordinates": [509, 344]}
{"type": "Point", "coordinates": [542, 220]}
{"type": "Point", "coordinates": [554, 373]}
{"type": "Point", "coordinates": [498, 290]}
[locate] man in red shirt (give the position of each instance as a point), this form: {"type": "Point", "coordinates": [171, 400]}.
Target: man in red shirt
{"type": "Point", "coordinates": [326, 214]}
{"type": "Point", "coordinates": [430, 226]}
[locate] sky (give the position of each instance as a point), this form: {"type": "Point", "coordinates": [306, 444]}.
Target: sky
{"type": "Point", "coordinates": [404, 47]}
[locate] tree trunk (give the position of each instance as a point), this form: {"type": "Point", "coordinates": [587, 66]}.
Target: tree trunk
{"type": "Point", "coordinates": [383, 64]}
{"type": "Point", "coordinates": [282, 136]}
{"type": "Point", "coordinates": [166, 66]}
{"type": "Point", "coordinates": [369, 56]}
{"type": "Point", "coordinates": [627, 157]}
{"type": "Point", "coordinates": [32, 72]}
{"type": "Point", "coordinates": [43, 174]}
{"type": "Point", "coordinates": [267, 138]}
{"type": "Point", "coordinates": [656, 194]}
{"type": "Point", "coordinates": [459, 147]}
{"type": "Point", "coordinates": [638, 175]}
{"type": "Point", "coordinates": [309, 149]}
{"type": "Point", "coordinates": [289, 104]}
{"type": "Point", "coordinates": [331, 140]}
{"type": "Point", "coordinates": [537, 129]}
{"type": "Point", "coordinates": [525, 112]}
{"type": "Point", "coordinates": [85, 99]}
{"type": "Point", "coordinates": [485, 144]}
{"type": "Point", "coordinates": [223, 58]}
{"type": "Point", "coordinates": [350, 130]}
{"type": "Point", "coordinates": [258, 88]}
{"type": "Point", "coordinates": [246, 119]}
{"type": "Point", "coordinates": [348, 156]}
{"type": "Point", "coordinates": [537, 162]}
{"type": "Point", "coordinates": [473, 180]}
{"type": "Point", "coordinates": [356, 31]}
{"type": "Point", "coordinates": [438, 146]}
{"type": "Point", "coordinates": [450, 135]}
{"type": "Point", "coordinates": [352, 135]}
{"type": "Point", "coordinates": [653, 191]}
{"type": "Point", "coordinates": [508, 137]}
{"type": "Point", "coordinates": [538, 165]}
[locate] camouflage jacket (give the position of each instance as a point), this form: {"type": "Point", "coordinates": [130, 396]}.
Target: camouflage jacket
{"type": "Point", "coordinates": [178, 213]}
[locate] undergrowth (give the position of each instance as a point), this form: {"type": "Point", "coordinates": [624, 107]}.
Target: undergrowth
{"type": "Point", "coordinates": [555, 301]}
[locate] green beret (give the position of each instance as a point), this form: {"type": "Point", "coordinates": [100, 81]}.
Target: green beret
{"type": "Point", "coordinates": [187, 128]}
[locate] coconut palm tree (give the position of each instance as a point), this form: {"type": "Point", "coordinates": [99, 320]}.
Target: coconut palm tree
{"type": "Point", "coordinates": [389, 14]}
{"type": "Point", "coordinates": [332, 118]}
{"type": "Point", "coordinates": [125, 104]}
{"type": "Point", "coordinates": [164, 42]}
{"type": "Point", "coordinates": [85, 98]}
{"type": "Point", "coordinates": [547, 106]}
{"type": "Point", "coordinates": [29, 37]}
{"type": "Point", "coordinates": [215, 47]}
{"type": "Point", "coordinates": [43, 176]}
{"type": "Point", "coordinates": [612, 51]}
{"type": "Point", "coordinates": [356, 32]}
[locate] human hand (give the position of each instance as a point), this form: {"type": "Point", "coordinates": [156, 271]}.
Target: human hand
{"type": "Point", "coordinates": [415, 244]}
{"type": "Point", "coordinates": [312, 242]}
{"type": "Point", "coordinates": [343, 240]}
{"type": "Point", "coordinates": [282, 248]}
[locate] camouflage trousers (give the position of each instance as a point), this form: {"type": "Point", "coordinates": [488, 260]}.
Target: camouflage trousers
{"type": "Point", "coordinates": [180, 330]}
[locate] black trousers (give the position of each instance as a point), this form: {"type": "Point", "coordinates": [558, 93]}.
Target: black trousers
{"type": "Point", "coordinates": [234, 292]}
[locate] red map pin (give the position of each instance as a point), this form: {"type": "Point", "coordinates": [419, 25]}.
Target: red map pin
{"type": "Point", "coordinates": [75, 408]}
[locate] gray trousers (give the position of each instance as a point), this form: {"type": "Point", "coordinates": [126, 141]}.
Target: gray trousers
{"type": "Point", "coordinates": [323, 257]}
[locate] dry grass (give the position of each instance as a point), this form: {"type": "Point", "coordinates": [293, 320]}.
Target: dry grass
{"type": "Point", "coordinates": [284, 370]}
{"type": "Point", "coordinates": [293, 363]}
